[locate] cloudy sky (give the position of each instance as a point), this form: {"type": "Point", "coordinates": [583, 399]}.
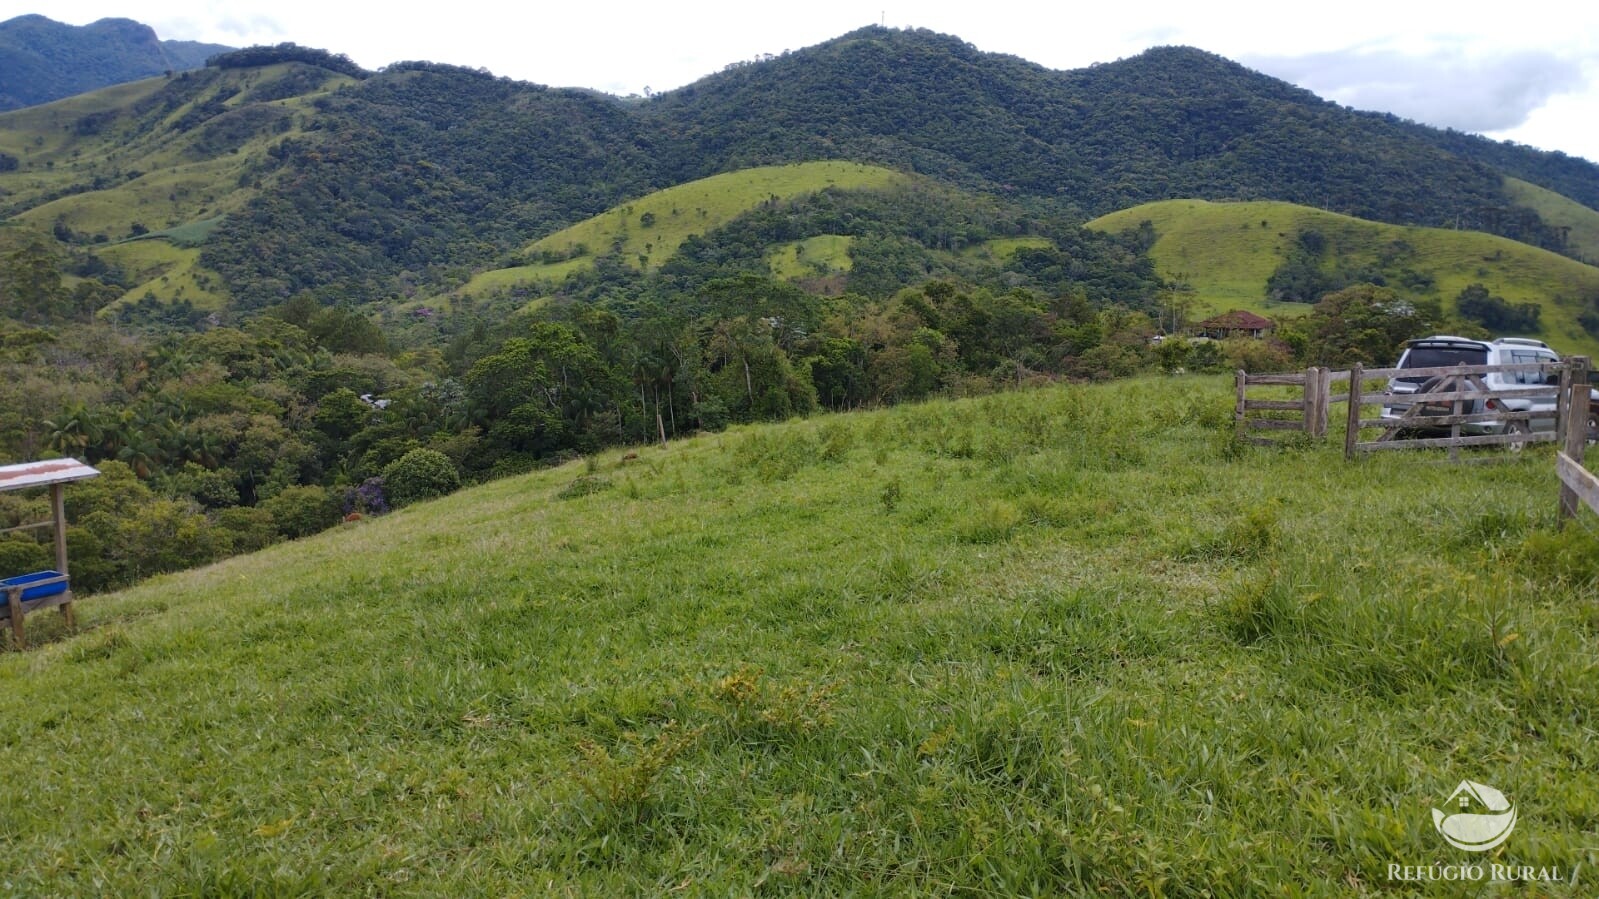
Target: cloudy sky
{"type": "Point", "coordinates": [1528, 73]}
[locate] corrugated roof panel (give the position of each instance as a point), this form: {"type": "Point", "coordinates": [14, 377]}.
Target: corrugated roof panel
{"type": "Point", "coordinates": [43, 474]}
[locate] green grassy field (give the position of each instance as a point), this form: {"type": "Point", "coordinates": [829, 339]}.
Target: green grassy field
{"type": "Point", "coordinates": [1560, 211]}
{"type": "Point", "coordinates": [647, 231]}
{"type": "Point", "coordinates": [1067, 641]}
{"type": "Point", "coordinates": [1001, 248]}
{"type": "Point", "coordinates": [167, 271]}
{"type": "Point", "coordinates": [1226, 251]}
{"type": "Point", "coordinates": [495, 280]}
{"type": "Point", "coordinates": [699, 206]}
{"type": "Point", "coordinates": [141, 168]}
{"type": "Point", "coordinates": [814, 257]}
{"type": "Point", "coordinates": [154, 173]}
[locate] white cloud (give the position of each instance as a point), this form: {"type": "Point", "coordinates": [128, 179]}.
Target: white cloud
{"type": "Point", "coordinates": [1444, 87]}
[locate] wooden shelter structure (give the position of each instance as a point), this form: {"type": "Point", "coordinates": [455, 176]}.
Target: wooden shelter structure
{"type": "Point", "coordinates": [1236, 323]}
{"type": "Point", "coordinates": [42, 589]}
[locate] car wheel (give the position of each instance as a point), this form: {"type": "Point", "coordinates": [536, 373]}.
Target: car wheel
{"type": "Point", "coordinates": [1516, 427]}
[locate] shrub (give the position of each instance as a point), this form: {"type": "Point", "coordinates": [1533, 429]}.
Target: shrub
{"type": "Point", "coordinates": [248, 529]}
{"type": "Point", "coordinates": [20, 555]}
{"type": "Point", "coordinates": [367, 499]}
{"type": "Point", "coordinates": [420, 474]}
{"type": "Point", "coordinates": [302, 511]}
{"type": "Point", "coordinates": [584, 485]}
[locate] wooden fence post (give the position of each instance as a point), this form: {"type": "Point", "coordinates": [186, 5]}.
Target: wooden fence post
{"type": "Point", "coordinates": [1323, 400]}
{"type": "Point", "coordinates": [1241, 382]}
{"type": "Point", "coordinates": [1563, 398]}
{"type": "Point", "coordinates": [1310, 402]}
{"type": "Point", "coordinates": [1352, 435]}
{"type": "Point", "coordinates": [1575, 401]}
{"type": "Point", "coordinates": [1455, 408]}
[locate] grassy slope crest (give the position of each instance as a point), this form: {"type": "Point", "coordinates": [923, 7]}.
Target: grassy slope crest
{"type": "Point", "coordinates": [1227, 251]}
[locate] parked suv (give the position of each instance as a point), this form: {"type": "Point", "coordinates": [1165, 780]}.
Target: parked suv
{"type": "Point", "coordinates": [1445, 350]}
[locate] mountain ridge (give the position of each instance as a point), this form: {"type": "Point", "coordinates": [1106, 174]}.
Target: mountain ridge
{"type": "Point", "coordinates": [43, 60]}
{"type": "Point", "coordinates": [430, 169]}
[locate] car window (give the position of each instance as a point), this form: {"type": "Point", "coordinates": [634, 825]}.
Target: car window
{"type": "Point", "coordinates": [1437, 356]}
{"type": "Point", "coordinates": [1525, 356]}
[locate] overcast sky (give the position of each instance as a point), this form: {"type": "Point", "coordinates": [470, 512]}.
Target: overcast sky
{"type": "Point", "coordinates": [1523, 72]}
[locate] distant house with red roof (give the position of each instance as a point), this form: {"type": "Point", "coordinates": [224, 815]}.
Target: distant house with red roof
{"type": "Point", "coordinates": [1237, 323]}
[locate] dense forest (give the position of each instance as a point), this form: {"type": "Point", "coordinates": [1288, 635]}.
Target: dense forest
{"type": "Point", "coordinates": [425, 172]}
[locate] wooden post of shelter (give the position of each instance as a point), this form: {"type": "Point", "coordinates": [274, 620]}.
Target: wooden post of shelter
{"type": "Point", "coordinates": [37, 590]}
{"type": "Point", "coordinates": [58, 517]}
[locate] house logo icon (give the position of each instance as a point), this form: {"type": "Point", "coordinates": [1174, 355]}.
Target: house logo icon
{"type": "Point", "coordinates": [1476, 817]}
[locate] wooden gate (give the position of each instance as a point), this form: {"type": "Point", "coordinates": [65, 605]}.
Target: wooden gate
{"type": "Point", "coordinates": [1306, 415]}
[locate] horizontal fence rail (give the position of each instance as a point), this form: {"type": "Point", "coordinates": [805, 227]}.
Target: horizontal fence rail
{"type": "Point", "coordinates": [1576, 484]}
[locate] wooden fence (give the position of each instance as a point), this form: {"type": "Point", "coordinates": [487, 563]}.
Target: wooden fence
{"type": "Point", "coordinates": [1455, 398]}
{"type": "Point", "coordinates": [1306, 415]}
{"type": "Point", "coordinates": [1451, 408]}
{"type": "Point", "coordinates": [1458, 399]}
{"type": "Point", "coordinates": [1577, 485]}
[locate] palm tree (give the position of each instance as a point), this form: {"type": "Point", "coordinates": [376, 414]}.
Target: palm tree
{"type": "Point", "coordinates": [69, 431]}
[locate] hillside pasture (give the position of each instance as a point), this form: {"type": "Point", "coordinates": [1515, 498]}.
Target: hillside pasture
{"type": "Point", "coordinates": [1227, 251]}
{"type": "Point", "coordinates": [1065, 641]}
{"type": "Point", "coordinates": [1561, 212]}
{"type": "Point", "coordinates": [821, 256]}
{"type": "Point", "coordinates": [106, 163]}
{"type": "Point", "coordinates": [166, 271]}
{"type": "Point", "coordinates": [1001, 248]}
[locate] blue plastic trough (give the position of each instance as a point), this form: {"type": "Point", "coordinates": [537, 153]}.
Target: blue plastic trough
{"type": "Point", "coordinates": [32, 593]}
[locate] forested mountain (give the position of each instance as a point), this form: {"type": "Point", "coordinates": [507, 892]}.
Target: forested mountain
{"type": "Point", "coordinates": [1171, 122]}
{"type": "Point", "coordinates": [43, 60]}
{"type": "Point", "coordinates": [415, 177]}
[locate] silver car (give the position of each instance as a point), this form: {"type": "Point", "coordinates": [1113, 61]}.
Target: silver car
{"type": "Point", "coordinates": [1445, 350]}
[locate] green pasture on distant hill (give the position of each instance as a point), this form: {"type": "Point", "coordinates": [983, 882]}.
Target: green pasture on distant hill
{"type": "Point", "coordinates": [647, 231]}
{"type": "Point", "coordinates": [1227, 251]}
{"type": "Point", "coordinates": [1001, 248]}
{"type": "Point", "coordinates": [1561, 211]}
{"type": "Point", "coordinates": [115, 161]}
{"type": "Point", "coordinates": [814, 257]}
{"type": "Point", "coordinates": [165, 271]}
{"type": "Point", "coordinates": [1066, 641]}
